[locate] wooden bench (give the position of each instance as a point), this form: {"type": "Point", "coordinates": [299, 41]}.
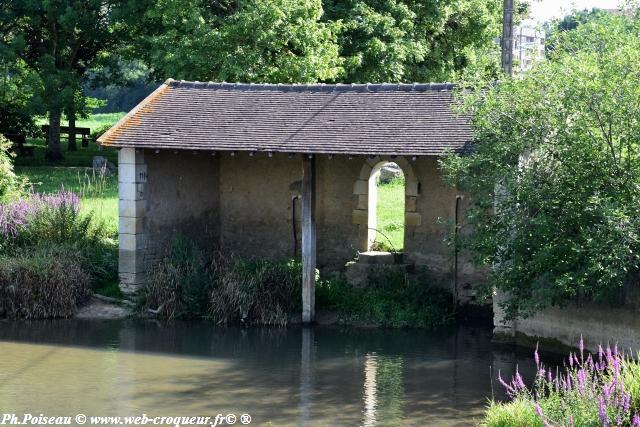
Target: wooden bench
{"type": "Point", "coordinates": [85, 133]}
{"type": "Point", "coordinates": [19, 144]}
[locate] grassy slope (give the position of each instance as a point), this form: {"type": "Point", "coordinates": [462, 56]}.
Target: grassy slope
{"type": "Point", "coordinates": [391, 212]}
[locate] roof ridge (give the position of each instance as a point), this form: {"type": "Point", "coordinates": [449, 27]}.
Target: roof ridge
{"type": "Point", "coordinates": [314, 87]}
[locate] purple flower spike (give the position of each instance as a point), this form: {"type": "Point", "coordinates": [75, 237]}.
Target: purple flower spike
{"type": "Point", "coordinates": [602, 412]}
{"type": "Point", "coordinates": [635, 422]}
{"type": "Point", "coordinates": [536, 356]}
{"type": "Point", "coordinates": [570, 360]}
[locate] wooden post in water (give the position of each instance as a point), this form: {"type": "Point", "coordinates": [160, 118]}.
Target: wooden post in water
{"type": "Point", "coordinates": [308, 238]}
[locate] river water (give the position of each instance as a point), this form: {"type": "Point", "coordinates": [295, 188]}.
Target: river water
{"type": "Point", "coordinates": [325, 376]}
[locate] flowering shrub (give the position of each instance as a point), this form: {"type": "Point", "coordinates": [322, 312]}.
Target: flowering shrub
{"type": "Point", "coordinates": [50, 254]}
{"type": "Point", "coordinates": [37, 218]}
{"type": "Point", "coordinates": [592, 390]}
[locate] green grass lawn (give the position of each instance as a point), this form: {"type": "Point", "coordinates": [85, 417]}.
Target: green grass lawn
{"type": "Point", "coordinates": [98, 194]}
{"type": "Point", "coordinates": [390, 212]}
{"type": "Point", "coordinates": [84, 155]}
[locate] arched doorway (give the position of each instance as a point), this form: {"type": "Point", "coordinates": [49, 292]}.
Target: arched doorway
{"type": "Point", "coordinates": [361, 212]}
{"type": "Point", "coordinates": [386, 208]}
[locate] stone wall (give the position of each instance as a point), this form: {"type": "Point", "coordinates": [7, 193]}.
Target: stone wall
{"type": "Point", "coordinates": [596, 323]}
{"type": "Point", "coordinates": [244, 204]}
{"type": "Point", "coordinates": [182, 198]}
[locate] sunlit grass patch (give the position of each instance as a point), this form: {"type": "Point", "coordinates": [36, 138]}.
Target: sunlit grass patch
{"type": "Point", "coordinates": [390, 211]}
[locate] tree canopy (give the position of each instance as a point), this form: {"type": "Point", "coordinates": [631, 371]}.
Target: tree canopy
{"type": "Point", "coordinates": [555, 171]}
{"type": "Point", "coordinates": [314, 40]}
{"type": "Point", "coordinates": [60, 40]}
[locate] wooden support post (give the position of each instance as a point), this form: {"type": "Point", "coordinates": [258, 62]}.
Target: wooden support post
{"type": "Point", "coordinates": [308, 239]}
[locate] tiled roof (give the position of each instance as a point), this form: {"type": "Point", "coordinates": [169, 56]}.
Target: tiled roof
{"type": "Point", "coordinates": [375, 119]}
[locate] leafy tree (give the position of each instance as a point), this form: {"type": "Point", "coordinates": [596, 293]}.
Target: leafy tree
{"type": "Point", "coordinates": [317, 40]}
{"type": "Point", "coordinates": [60, 40]}
{"type": "Point", "coordinates": [17, 85]}
{"type": "Point", "coordinates": [257, 41]}
{"type": "Point", "coordinates": [412, 40]}
{"type": "Point", "coordinates": [555, 170]}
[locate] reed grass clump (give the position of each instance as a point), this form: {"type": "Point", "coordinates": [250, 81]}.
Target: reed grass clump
{"type": "Point", "coordinates": [255, 292]}
{"type": "Point", "coordinates": [188, 283]}
{"type": "Point", "coordinates": [44, 282]}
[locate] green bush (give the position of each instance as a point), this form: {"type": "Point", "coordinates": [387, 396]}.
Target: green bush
{"type": "Point", "coordinates": [390, 299]}
{"type": "Point", "coordinates": [43, 282]}
{"type": "Point", "coordinates": [555, 172]}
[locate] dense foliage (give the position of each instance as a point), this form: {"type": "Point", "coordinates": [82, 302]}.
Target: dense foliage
{"type": "Point", "coordinates": [555, 171]}
{"type": "Point", "coordinates": [591, 390]}
{"type": "Point", "coordinates": [60, 41]}
{"type": "Point", "coordinates": [406, 40]}
{"type": "Point", "coordinates": [314, 40]}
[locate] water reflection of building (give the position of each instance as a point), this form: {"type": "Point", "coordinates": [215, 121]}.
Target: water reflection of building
{"type": "Point", "coordinates": [383, 390]}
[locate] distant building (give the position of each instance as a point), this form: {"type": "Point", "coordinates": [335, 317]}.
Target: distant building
{"type": "Point", "coordinates": [528, 45]}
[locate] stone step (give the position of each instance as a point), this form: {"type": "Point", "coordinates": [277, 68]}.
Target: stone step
{"type": "Point", "coordinates": [376, 257]}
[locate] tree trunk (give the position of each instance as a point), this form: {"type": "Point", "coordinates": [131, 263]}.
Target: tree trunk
{"type": "Point", "coordinates": [72, 131]}
{"type": "Point", "coordinates": [54, 152]}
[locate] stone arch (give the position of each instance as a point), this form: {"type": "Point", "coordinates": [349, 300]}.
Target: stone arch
{"type": "Point", "coordinates": [360, 214]}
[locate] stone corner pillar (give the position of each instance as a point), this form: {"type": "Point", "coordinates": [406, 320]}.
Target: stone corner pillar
{"type": "Point", "coordinates": [132, 178]}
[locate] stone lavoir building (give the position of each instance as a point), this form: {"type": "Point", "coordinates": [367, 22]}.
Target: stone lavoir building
{"type": "Point", "coordinates": [276, 171]}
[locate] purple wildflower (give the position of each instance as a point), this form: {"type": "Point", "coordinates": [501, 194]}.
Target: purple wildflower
{"type": "Point", "coordinates": [536, 357]}
{"type": "Point", "coordinates": [582, 378]}
{"type": "Point", "coordinates": [602, 412]}
{"type": "Point", "coordinates": [570, 360]}
{"type": "Point", "coordinates": [635, 422]}
{"type": "Point", "coordinates": [510, 390]}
